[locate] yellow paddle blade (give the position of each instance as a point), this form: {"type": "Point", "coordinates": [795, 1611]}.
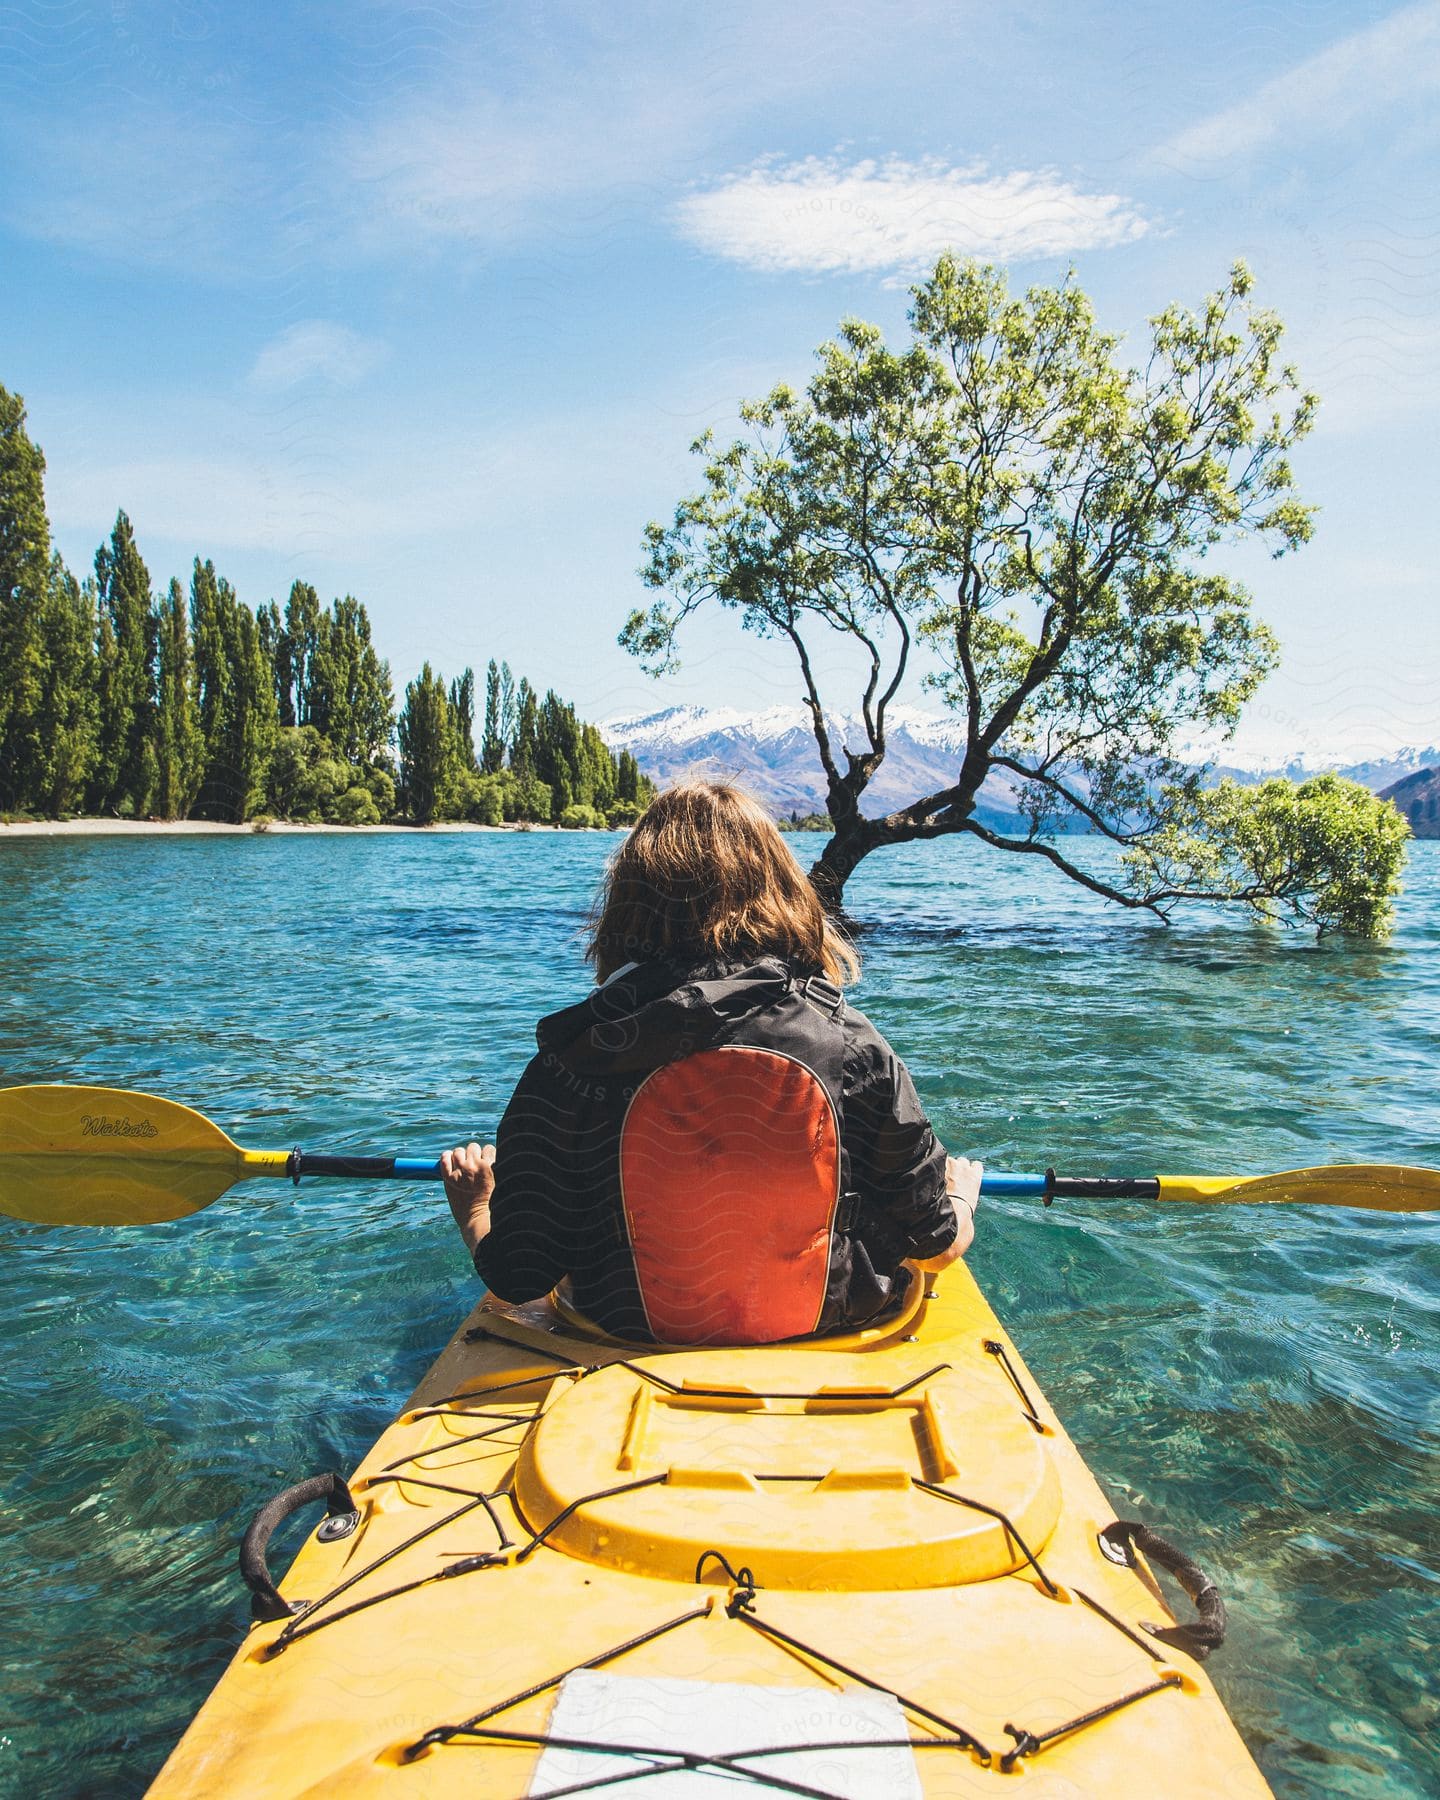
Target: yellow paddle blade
{"type": "Point", "coordinates": [101, 1156]}
{"type": "Point", "coordinates": [1383, 1187]}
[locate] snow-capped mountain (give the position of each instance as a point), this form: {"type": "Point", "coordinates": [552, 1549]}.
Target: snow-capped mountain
{"type": "Point", "coordinates": [1375, 772]}
{"type": "Point", "coordinates": [773, 753]}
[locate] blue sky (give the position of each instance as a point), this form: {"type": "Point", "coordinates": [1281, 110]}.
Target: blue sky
{"type": "Point", "coordinates": [426, 303]}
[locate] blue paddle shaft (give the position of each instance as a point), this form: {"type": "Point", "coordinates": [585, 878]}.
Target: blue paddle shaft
{"type": "Point", "coordinates": [1014, 1187]}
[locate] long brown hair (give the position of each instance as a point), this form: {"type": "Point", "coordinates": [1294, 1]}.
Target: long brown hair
{"type": "Point", "coordinates": [706, 874]}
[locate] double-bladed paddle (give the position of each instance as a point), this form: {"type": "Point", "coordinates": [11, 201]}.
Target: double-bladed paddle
{"type": "Point", "coordinates": [102, 1156]}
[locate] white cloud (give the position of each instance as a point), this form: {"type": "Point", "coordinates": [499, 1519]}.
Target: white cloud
{"type": "Point", "coordinates": [315, 350]}
{"type": "Point", "coordinates": [822, 216]}
{"type": "Point", "coordinates": [1368, 72]}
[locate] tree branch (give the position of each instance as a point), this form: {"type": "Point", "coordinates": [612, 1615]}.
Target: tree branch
{"type": "Point", "coordinates": [894, 684]}
{"type": "Point", "coordinates": [817, 710]}
{"type": "Point", "coordinates": [1032, 847]}
{"type": "Point", "coordinates": [966, 654]}
{"type": "Point", "coordinates": [1062, 792]}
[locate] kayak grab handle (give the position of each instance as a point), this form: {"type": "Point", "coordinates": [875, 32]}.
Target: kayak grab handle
{"type": "Point", "coordinates": [1050, 1186]}
{"type": "Point", "coordinates": [266, 1600]}
{"type": "Point", "coordinates": [1120, 1541]}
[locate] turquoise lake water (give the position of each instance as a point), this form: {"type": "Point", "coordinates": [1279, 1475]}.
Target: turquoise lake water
{"type": "Point", "coordinates": [1258, 1382]}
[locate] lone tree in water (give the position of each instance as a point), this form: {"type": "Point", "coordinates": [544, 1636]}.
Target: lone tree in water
{"type": "Point", "coordinates": [1007, 493]}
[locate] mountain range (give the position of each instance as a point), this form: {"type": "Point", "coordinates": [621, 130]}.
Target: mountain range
{"type": "Point", "coordinates": [773, 754]}
{"type": "Point", "coordinates": [1418, 797]}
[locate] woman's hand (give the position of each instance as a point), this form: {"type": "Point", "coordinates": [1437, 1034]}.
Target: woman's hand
{"type": "Point", "coordinates": [469, 1171]}
{"type": "Point", "coordinates": [962, 1184]}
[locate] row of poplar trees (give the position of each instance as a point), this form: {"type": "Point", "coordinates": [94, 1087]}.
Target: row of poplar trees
{"type": "Point", "coordinates": [118, 700]}
{"type": "Point", "coordinates": [536, 760]}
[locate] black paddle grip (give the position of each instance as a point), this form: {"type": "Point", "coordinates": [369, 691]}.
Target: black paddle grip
{"type": "Point", "coordinates": [266, 1601]}
{"type": "Point", "coordinates": [1100, 1187]}
{"type": "Point", "coordinates": [321, 1162]}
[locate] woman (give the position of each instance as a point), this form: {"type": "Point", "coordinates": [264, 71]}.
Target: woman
{"type": "Point", "coordinates": [713, 1146]}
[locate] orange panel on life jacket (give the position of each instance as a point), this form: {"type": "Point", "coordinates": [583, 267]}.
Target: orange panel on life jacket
{"type": "Point", "coordinates": [730, 1176]}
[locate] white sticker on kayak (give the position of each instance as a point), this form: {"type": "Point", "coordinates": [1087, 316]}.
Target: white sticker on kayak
{"type": "Point", "coordinates": [617, 1724]}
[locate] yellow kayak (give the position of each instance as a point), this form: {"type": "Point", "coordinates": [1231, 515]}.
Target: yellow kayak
{"type": "Point", "coordinates": [866, 1567]}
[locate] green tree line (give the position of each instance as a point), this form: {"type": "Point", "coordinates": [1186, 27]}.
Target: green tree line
{"type": "Point", "coordinates": [118, 699]}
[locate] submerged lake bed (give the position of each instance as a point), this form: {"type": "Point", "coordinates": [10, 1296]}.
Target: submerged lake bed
{"type": "Point", "coordinates": [1257, 1383]}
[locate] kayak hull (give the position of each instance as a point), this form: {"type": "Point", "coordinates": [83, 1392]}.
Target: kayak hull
{"type": "Point", "coordinates": [899, 1514]}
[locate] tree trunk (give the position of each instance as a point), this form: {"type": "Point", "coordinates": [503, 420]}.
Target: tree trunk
{"type": "Point", "coordinates": [856, 835]}
{"type": "Point", "coordinates": [853, 841]}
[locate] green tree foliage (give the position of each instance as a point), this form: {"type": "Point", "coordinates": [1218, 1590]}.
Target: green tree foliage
{"type": "Point", "coordinates": [275, 649]}
{"type": "Point", "coordinates": [235, 686]}
{"type": "Point", "coordinates": [627, 777]}
{"type": "Point", "coordinates": [124, 774]}
{"type": "Point", "coordinates": [1322, 851]}
{"type": "Point", "coordinates": [290, 790]}
{"type": "Point", "coordinates": [179, 746]}
{"type": "Point", "coordinates": [509, 706]}
{"type": "Point", "coordinates": [632, 793]}
{"type": "Point", "coordinates": [64, 736]}
{"type": "Point", "coordinates": [294, 653]}
{"type": "Point", "coordinates": [431, 760]}
{"type": "Point", "coordinates": [587, 785]}
{"type": "Point", "coordinates": [527, 799]}
{"type": "Point", "coordinates": [1006, 490]}
{"type": "Point", "coordinates": [348, 696]}
{"type": "Point", "coordinates": [525, 732]}
{"type": "Point", "coordinates": [380, 785]}
{"type": "Point", "coordinates": [483, 800]}
{"type": "Point", "coordinates": [253, 726]}
{"type": "Point", "coordinates": [558, 753]}
{"type": "Point", "coordinates": [328, 674]}
{"type": "Point", "coordinates": [24, 586]}
{"type": "Point", "coordinates": [462, 707]}
{"type": "Point", "coordinates": [308, 782]}
{"type": "Point", "coordinates": [356, 806]}
{"type": "Point", "coordinates": [599, 784]}
{"type": "Point", "coordinates": [213, 687]}
{"type": "Point", "coordinates": [492, 743]}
